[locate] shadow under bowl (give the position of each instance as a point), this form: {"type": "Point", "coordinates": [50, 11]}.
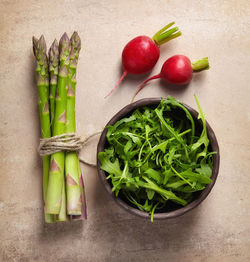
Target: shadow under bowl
{"type": "Point", "coordinates": [173, 210]}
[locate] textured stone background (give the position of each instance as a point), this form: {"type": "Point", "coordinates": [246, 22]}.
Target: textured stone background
{"type": "Point", "coordinates": [219, 229]}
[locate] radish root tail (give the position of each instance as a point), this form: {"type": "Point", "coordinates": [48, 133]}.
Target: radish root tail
{"type": "Point", "coordinates": [124, 74]}
{"type": "Point", "coordinates": [142, 85]}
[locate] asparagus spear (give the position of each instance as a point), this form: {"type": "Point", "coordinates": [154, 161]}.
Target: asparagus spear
{"type": "Point", "coordinates": [53, 70]}
{"type": "Point", "coordinates": [73, 189]}
{"type": "Point", "coordinates": [55, 193]}
{"type": "Point", "coordinates": [42, 78]}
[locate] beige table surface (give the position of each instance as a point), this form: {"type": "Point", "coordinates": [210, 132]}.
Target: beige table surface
{"type": "Point", "coordinates": [219, 229]}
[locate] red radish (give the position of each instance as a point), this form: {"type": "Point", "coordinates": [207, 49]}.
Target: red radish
{"type": "Point", "coordinates": [177, 70]}
{"type": "Point", "coordinates": [140, 55]}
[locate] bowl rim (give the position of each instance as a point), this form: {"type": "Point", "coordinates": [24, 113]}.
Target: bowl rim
{"type": "Point", "coordinates": [166, 215]}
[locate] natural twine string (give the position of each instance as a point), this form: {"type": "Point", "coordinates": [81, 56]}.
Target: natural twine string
{"type": "Point", "coordinates": [65, 142]}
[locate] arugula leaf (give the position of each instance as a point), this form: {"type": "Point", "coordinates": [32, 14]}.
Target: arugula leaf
{"type": "Point", "coordinates": [165, 193]}
{"type": "Point", "coordinates": [176, 184]}
{"type": "Point", "coordinates": [168, 127]}
{"type": "Point", "coordinates": [203, 140]}
{"type": "Point", "coordinates": [150, 193]}
{"type": "Point", "coordinates": [109, 166]}
{"type": "Point", "coordinates": [205, 170]}
{"type": "Point", "coordinates": [154, 174]}
{"type": "Point", "coordinates": [196, 177]}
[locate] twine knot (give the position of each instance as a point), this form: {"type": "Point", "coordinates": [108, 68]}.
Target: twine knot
{"type": "Point", "coordinates": [64, 142]}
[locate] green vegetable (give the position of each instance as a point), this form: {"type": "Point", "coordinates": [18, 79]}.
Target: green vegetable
{"type": "Point", "coordinates": [72, 172]}
{"type": "Point", "coordinates": [56, 199]}
{"type": "Point", "coordinates": [63, 186]}
{"type": "Point", "coordinates": [42, 79]}
{"type": "Point", "coordinates": [53, 71]}
{"type": "Point", "coordinates": [157, 155]}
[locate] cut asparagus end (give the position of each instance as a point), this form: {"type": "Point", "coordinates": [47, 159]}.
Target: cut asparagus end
{"type": "Point", "coordinates": [48, 218]}
{"type": "Point", "coordinates": [62, 216]}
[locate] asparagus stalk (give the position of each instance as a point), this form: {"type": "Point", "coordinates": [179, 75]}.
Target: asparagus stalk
{"type": "Point", "coordinates": [62, 216]}
{"type": "Point", "coordinates": [83, 198]}
{"type": "Point", "coordinates": [73, 188]}
{"type": "Point", "coordinates": [42, 79]}
{"type": "Point", "coordinates": [84, 206]}
{"type": "Point", "coordinates": [55, 194]}
{"type": "Point", "coordinates": [53, 70]}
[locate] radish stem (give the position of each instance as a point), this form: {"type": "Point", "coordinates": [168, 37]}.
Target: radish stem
{"type": "Point", "coordinates": [163, 36]}
{"type": "Point", "coordinates": [164, 29]}
{"type": "Point", "coordinates": [201, 64]}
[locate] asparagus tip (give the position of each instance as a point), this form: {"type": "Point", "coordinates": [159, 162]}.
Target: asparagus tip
{"type": "Point", "coordinates": [64, 43]}
{"type": "Point", "coordinates": [55, 44]}
{"type": "Point", "coordinates": [41, 39]}
{"type": "Point", "coordinates": [74, 36]}
{"type": "Point", "coordinates": [53, 51]}
{"type": "Point", "coordinates": [76, 42]}
{"type": "Point", "coordinates": [54, 55]}
{"type": "Point", "coordinates": [42, 43]}
{"type": "Point", "coordinates": [35, 41]}
{"type": "Point", "coordinates": [64, 38]}
{"type": "Point", "coordinates": [40, 49]}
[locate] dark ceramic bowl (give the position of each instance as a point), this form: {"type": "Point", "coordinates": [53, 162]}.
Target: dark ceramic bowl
{"type": "Point", "coordinates": [173, 210]}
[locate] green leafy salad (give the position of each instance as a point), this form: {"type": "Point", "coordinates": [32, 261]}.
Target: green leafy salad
{"type": "Point", "coordinates": [158, 156]}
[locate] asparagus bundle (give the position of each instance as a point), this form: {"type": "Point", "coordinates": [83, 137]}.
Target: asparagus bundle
{"type": "Point", "coordinates": [57, 117]}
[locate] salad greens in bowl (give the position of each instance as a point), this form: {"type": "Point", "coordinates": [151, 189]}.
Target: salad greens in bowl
{"type": "Point", "coordinates": [158, 158]}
